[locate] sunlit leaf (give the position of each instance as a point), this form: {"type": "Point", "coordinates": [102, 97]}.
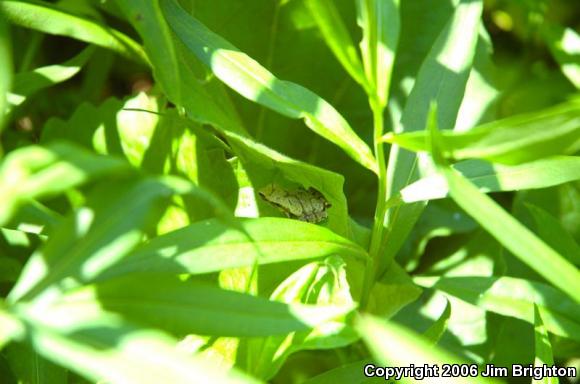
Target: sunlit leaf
{"type": "Point", "coordinates": [442, 77]}
{"type": "Point", "coordinates": [49, 18]}
{"type": "Point", "coordinates": [513, 297]}
{"type": "Point", "coordinates": [251, 80]}
{"type": "Point", "coordinates": [488, 177]}
{"type": "Point", "coordinates": [396, 346]}
{"type": "Point", "coordinates": [379, 20]}
{"type": "Point", "coordinates": [514, 140]}
{"type": "Point", "coordinates": [211, 246]}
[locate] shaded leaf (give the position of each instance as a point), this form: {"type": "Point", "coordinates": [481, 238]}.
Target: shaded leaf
{"type": "Point", "coordinates": [6, 70]}
{"type": "Point", "coordinates": [543, 348]}
{"type": "Point", "coordinates": [34, 171]}
{"type": "Point", "coordinates": [49, 18]}
{"type": "Point", "coordinates": [28, 83]}
{"type": "Point", "coordinates": [550, 230]}
{"type": "Point", "coordinates": [435, 331]}
{"type": "Point", "coordinates": [101, 347]}
{"type": "Point", "coordinates": [186, 307]}
{"type": "Point", "coordinates": [337, 37]}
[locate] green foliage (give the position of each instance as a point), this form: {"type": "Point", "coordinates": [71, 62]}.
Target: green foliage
{"type": "Point", "coordinates": [137, 244]}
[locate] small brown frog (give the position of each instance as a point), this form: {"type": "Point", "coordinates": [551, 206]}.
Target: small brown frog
{"type": "Point", "coordinates": [305, 205]}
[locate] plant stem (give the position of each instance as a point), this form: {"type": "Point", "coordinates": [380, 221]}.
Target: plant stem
{"type": "Point", "coordinates": [381, 208]}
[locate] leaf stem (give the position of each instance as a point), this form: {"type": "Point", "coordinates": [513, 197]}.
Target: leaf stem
{"type": "Point", "coordinates": [381, 207]}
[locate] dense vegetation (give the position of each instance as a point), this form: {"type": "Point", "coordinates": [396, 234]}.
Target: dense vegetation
{"type": "Point", "coordinates": [287, 190]}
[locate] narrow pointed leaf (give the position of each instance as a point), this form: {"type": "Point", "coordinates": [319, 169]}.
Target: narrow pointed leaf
{"type": "Point", "coordinates": [211, 246]}
{"type": "Point", "coordinates": [396, 346]}
{"type": "Point", "coordinates": [48, 18]}
{"type": "Point", "coordinates": [513, 297]}
{"type": "Point", "coordinates": [488, 177]}
{"type": "Point", "coordinates": [34, 172]}
{"type": "Point", "coordinates": [107, 348]}
{"type": "Point", "coordinates": [251, 80]}
{"type": "Point", "coordinates": [380, 22]}
{"type": "Point", "coordinates": [519, 240]}
{"type": "Point", "coordinates": [6, 69]}
{"type": "Point", "coordinates": [442, 78]}
{"type": "Point", "coordinates": [436, 331]}
{"type": "Point", "coordinates": [185, 307]}
{"type": "Point", "coordinates": [337, 37]}
{"type": "Point", "coordinates": [514, 140]}
{"type": "Point", "coordinates": [543, 348]}
{"type": "Point", "coordinates": [27, 83]}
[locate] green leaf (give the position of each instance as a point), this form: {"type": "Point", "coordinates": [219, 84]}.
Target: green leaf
{"type": "Point", "coordinates": [251, 80]}
{"type": "Point", "coordinates": [175, 71]}
{"type": "Point", "coordinates": [11, 328]}
{"type": "Point", "coordinates": [489, 177]}
{"type": "Point", "coordinates": [513, 297]}
{"type": "Point", "coordinates": [29, 367]}
{"type": "Point", "coordinates": [337, 37]}
{"type": "Point", "coordinates": [543, 348]}
{"type": "Point", "coordinates": [395, 346]}
{"type": "Point", "coordinates": [348, 373]}
{"type": "Point", "coordinates": [323, 283]}
{"type": "Point", "coordinates": [48, 18]}
{"type": "Point", "coordinates": [442, 78]}
{"type": "Point", "coordinates": [186, 307]}
{"type": "Point", "coordinates": [551, 231]}
{"type": "Point", "coordinates": [398, 287]}
{"type": "Point", "coordinates": [519, 240]}
{"type": "Point", "coordinates": [33, 172]}
{"type": "Point", "coordinates": [28, 83]}
{"type": "Point", "coordinates": [564, 43]}
{"type": "Point", "coordinates": [436, 331]}
{"type": "Point", "coordinates": [6, 70]}
{"type": "Point", "coordinates": [265, 166]}
{"type": "Point", "coordinates": [380, 22]}
{"type": "Point", "coordinates": [101, 347]}
{"type": "Point", "coordinates": [211, 246]}
{"type": "Point", "coordinates": [514, 140]}
{"type": "Point", "coordinates": [94, 238]}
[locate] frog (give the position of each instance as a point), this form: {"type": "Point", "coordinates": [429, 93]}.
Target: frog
{"type": "Point", "coordinates": [307, 205]}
